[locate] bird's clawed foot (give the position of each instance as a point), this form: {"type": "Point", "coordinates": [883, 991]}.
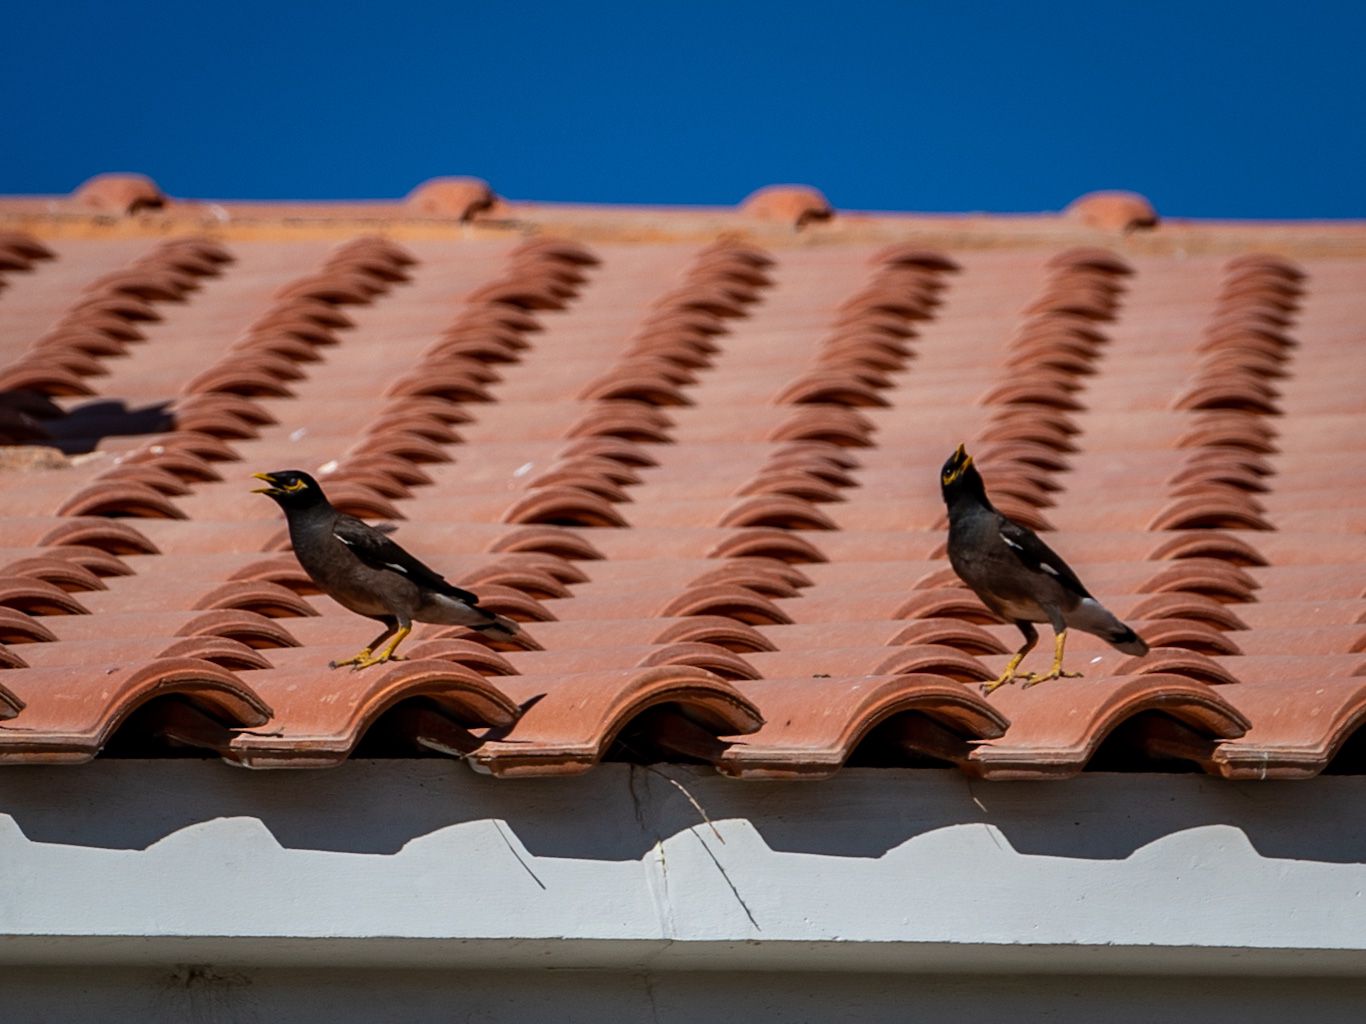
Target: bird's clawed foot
{"type": "Point", "coordinates": [1008, 676]}
{"type": "Point", "coordinates": [365, 659]}
{"type": "Point", "coordinates": [1033, 678]}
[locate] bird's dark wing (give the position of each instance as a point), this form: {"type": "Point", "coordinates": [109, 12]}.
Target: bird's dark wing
{"type": "Point", "coordinates": [1036, 556]}
{"type": "Point", "coordinates": [379, 552]}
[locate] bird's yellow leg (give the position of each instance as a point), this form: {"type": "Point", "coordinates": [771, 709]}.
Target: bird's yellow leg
{"type": "Point", "coordinates": [1009, 674]}
{"type": "Point", "coordinates": [1056, 671]}
{"type": "Point", "coordinates": [386, 653]}
{"type": "Point", "coordinates": [363, 659]}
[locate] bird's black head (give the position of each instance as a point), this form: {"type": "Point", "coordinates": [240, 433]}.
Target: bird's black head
{"type": "Point", "coordinates": [959, 478]}
{"type": "Point", "coordinates": [291, 489]}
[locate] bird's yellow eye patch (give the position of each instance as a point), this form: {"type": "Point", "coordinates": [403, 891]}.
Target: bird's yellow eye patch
{"type": "Point", "coordinates": [293, 485]}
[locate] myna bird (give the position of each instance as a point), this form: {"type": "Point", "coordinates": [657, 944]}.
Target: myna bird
{"type": "Point", "coordinates": [363, 570]}
{"type": "Point", "coordinates": [1018, 576]}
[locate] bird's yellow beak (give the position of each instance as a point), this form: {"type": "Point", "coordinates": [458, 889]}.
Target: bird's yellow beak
{"type": "Point", "coordinates": [264, 490]}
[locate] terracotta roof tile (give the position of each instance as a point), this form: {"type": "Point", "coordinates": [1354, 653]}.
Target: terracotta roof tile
{"type": "Point", "coordinates": [694, 453]}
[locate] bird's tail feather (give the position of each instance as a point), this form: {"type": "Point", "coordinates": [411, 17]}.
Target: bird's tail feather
{"type": "Point", "coordinates": [1094, 618]}
{"type": "Point", "coordinates": [501, 628]}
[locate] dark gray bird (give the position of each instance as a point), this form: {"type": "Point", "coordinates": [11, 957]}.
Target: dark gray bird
{"type": "Point", "coordinates": [363, 570]}
{"type": "Point", "coordinates": [1018, 576]}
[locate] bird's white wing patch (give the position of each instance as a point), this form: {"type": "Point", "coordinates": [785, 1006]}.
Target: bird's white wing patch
{"type": "Point", "coordinates": [1048, 569]}
{"type": "Point", "coordinates": [1011, 543]}
{"type": "Point", "coordinates": [343, 539]}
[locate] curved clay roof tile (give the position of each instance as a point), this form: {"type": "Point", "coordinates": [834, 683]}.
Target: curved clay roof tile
{"type": "Point", "coordinates": [403, 444]}
{"type": "Point", "coordinates": [629, 421]}
{"type": "Point", "coordinates": [335, 287]}
{"type": "Point", "coordinates": [464, 697]}
{"type": "Point", "coordinates": [836, 424]}
{"type": "Point", "coordinates": [18, 627]}
{"type": "Point", "coordinates": [1209, 576]}
{"type": "Point", "coordinates": [480, 344]}
{"type": "Point", "coordinates": [629, 385]}
{"type": "Point", "coordinates": [282, 570]}
{"type": "Point", "coordinates": [875, 321]}
{"type": "Point", "coordinates": [954, 633]}
{"type": "Point", "coordinates": [109, 535]}
{"type": "Point", "coordinates": [414, 421]}
{"type": "Point", "coordinates": [536, 584]}
{"type": "Point", "coordinates": [46, 378]}
{"type": "Point", "coordinates": [656, 366]}
{"type": "Point", "coordinates": [99, 563]}
{"type": "Point", "coordinates": [459, 197]}
{"type": "Point", "coordinates": [564, 506]}
{"type": "Point", "coordinates": [768, 542]}
{"type": "Point", "coordinates": [1232, 430]}
{"type": "Point", "coordinates": [106, 323]}
{"type": "Point", "coordinates": [94, 343]}
{"type": "Point", "coordinates": [728, 600]}
{"type": "Point", "coordinates": [707, 297]}
{"type": "Point", "coordinates": [1031, 389]}
{"type": "Point", "coordinates": [247, 627]}
{"type": "Point", "coordinates": [616, 449]}
{"type": "Point", "coordinates": [1092, 258]}
{"type": "Point", "coordinates": [738, 249]}
{"type": "Point", "coordinates": [562, 250]}
{"type": "Point", "coordinates": [1059, 746]}
{"type": "Point", "coordinates": [794, 483]}
{"type": "Point", "coordinates": [864, 359]}
{"type": "Point", "coordinates": [1266, 262]}
{"type": "Point", "coordinates": [1052, 354]}
{"type": "Point", "coordinates": [552, 540]}
{"type": "Point", "coordinates": [799, 464]}
{"type": "Point", "coordinates": [830, 387]}
{"type": "Point", "coordinates": [36, 596]}
{"type": "Point", "coordinates": [717, 631]}
{"type": "Point", "coordinates": [521, 293]}
{"type": "Point", "coordinates": [115, 498]}
{"type": "Point", "coordinates": [795, 205]}
{"type": "Point", "coordinates": [1177, 662]}
{"type": "Point", "coordinates": [184, 464]}
{"type": "Point", "coordinates": [154, 477]}
{"type": "Point", "coordinates": [935, 660]}
{"type": "Point", "coordinates": [813, 739]}
{"type": "Point", "coordinates": [1113, 210]}
{"type": "Point", "coordinates": [112, 304]}
{"type": "Point", "coordinates": [149, 284]}
{"type": "Point", "coordinates": [1190, 635]}
{"type": "Point", "coordinates": [781, 510]}
{"type": "Point", "coordinates": [604, 466]}
{"type": "Point", "coordinates": [1231, 394]}
{"type": "Point", "coordinates": [1260, 280]}
{"type": "Point", "coordinates": [574, 726]}
{"type": "Point", "coordinates": [1218, 544]}
{"type": "Point", "coordinates": [62, 358]}
{"type": "Point", "coordinates": [1186, 605]}
{"type": "Point", "coordinates": [911, 255]}
{"type": "Point", "coordinates": [230, 654]}
{"type": "Point", "coordinates": [119, 193]}
{"type": "Point", "coordinates": [260, 596]}
{"type": "Point", "coordinates": [25, 245]}
{"type": "Point", "coordinates": [463, 652]}
{"type": "Point", "coordinates": [946, 603]}
{"type": "Point", "coordinates": [238, 377]}
{"type": "Point", "coordinates": [1220, 511]}
{"type": "Point", "coordinates": [711, 658]}
{"type": "Point", "coordinates": [763, 580]}
{"type": "Point", "coordinates": [10, 705]}
{"type": "Point", "coordinates": [1247, 361]}
{"type": "Point", "coordinates": [581, 479]}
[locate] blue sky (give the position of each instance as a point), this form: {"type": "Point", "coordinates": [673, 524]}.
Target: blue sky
{"type": "Point", "coordinates": [1210, 109]}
